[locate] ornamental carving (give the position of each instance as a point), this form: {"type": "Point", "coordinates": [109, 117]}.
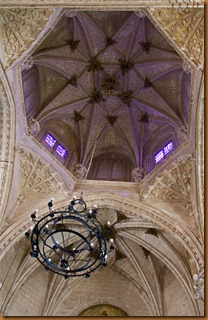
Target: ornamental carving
{"type": "Point", "coordinates": [110, 42]}
{"type": "Point", "coordinates": [126, 97]}
{"type": "Point", "coordinates": [125, 65]}
{"type": "Point", "coordinates": [33, 126]}
{"type": "Point", "coordinates": [37, 176]}
{"type": "Point", "coordinates": [80, 171]}
{"type": "Point", "coordinates": [27, 64]}
{"type": "Point", "coordinates": [140, 14]}
{"type": "Point", "coordinates": [172, 184]}
{"type": "Point", "coordinates": [20, 27]}
{"type": "Point", "coordinates": [198, 286]}
{"type": "Point", "coordinates": [137, 174]}
{"type": "Point", "coordinates": [186, 28]}
{"type": "Point", "coordinates": [112, 120]}
{"type": "Point", "coordinates": [200, 152]}
{"type": "Point", "coordinates": [104, 4]}
{"type": "Point", "coordinates": [78, 116]}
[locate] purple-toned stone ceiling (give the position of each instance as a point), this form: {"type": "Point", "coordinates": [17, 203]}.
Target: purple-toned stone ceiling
{"type": "Point", "coordinates": [110, 77]}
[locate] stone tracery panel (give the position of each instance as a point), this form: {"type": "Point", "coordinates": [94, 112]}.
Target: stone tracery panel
{"type": "Point", "coordinates": [185, 26]}
{"type": "Point", "coordinates": [21, 27]}
{"type": "Point", "coordinates": [37, 176]}
{"type": "Point", "coordinates": [172, 184]}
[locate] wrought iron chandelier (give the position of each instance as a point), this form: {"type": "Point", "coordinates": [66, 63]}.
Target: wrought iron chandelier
{"type": "Point", "coordinates": [69, 242]}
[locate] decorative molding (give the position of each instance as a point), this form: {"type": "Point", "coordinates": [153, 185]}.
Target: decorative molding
{"type": "Point", "coordinates": [20, 27]}
{"type": "Point", "coordinates": [6, 144]}
{"type": "Point", "coordinates": [186, 4]}
{"type": "Point", "coordinates": [35, 177]}
{"type": "Point", "coordinates": [199, 284]}
{"type": "Point", "coordinates": [186, 28]}
{"type": "Point", "coordinates": [199, 206]}
{"type": "Point", "coordinates": [200, 158]}
{"type": "Point", "coordinates": [104, 4]}
{"type": "Point", "coordinates": [174, 183]}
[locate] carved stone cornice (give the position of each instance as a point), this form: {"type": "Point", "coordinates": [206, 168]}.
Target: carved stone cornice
{"type": "Point", "coordinates": [20, 27]}
{"type": "Point", "coordinates": [185, 26]}
{"type": "Point", "coordinates": [102, 4]}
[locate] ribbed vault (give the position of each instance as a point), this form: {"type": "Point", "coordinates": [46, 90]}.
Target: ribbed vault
{"type": "Point", "coordinates": [117, 80]}
{"type": "Point", "coordinates": [108, 77]}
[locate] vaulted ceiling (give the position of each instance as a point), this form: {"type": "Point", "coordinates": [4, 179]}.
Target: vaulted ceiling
{"type": "Point", "coordinates": [110, 79]}
{"type": "Point", "coordinates": [110, 88]}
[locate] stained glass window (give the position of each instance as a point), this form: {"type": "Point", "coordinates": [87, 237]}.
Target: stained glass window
{"type": "Point", "coordinates": [168, 147]}
{"type": "Point", "coordinates": [159, 156]}
{"type": "Point", "coordinates": [61, 151]}
{"type": "Point", "coordinates": [163, 152]}
{"type": "Point", "coordinates": [50, 140]}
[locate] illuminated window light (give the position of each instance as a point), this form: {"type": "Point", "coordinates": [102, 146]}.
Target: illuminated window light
{"type": "Point", "coordinates": [159, 156]}
{"type": "Point", "coordinates": [163, 152]}
{"type": "Point", "coordinates": [50, 140]}
{"type": "Point", "coordinates": [168, 147]}
{"type": "Point", "coordinates": [61, 151]}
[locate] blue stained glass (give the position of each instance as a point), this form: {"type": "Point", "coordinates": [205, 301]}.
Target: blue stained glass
{"type": "Point", "coordinates": [50, 140]}
{"type": "Point", "coordinates": [159, 156]}
{"type": "Point", "coordinates": [61, 151]}
{"type": "Point", "coordinates": [162, 153]}
{"type": "Point", "coordinates": [168, 147]}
